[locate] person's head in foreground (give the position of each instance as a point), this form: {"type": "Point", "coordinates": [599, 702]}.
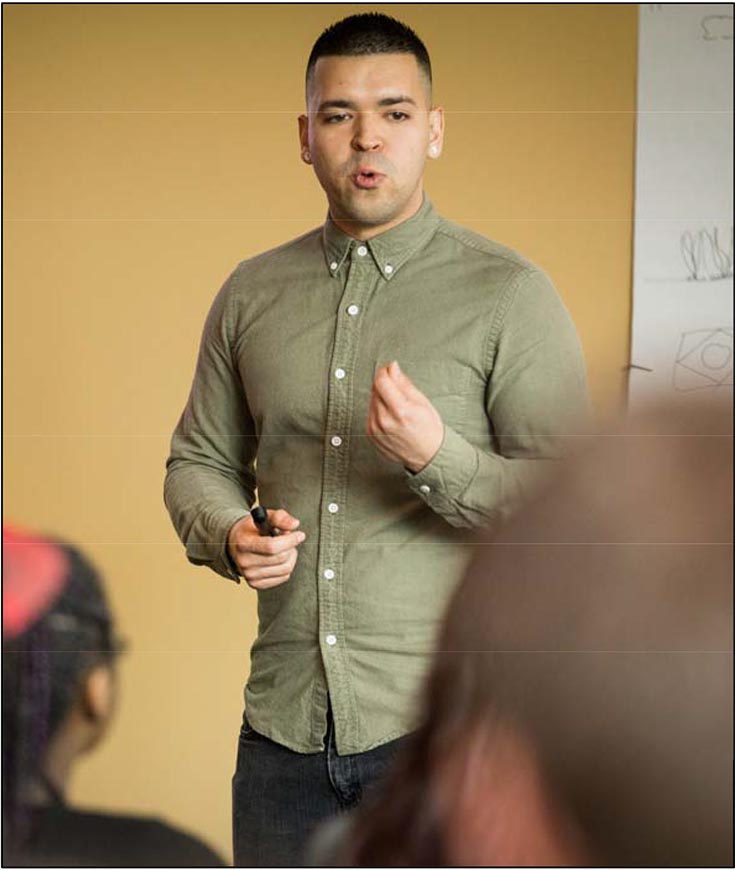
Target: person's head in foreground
{"type": "Point", "coordinates": [580, 708]}
{"type": "Point", "coordinates": [59, 648]}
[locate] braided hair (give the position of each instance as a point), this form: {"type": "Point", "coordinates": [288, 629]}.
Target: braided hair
{"type": "Point", "coordinates": [57, 625]}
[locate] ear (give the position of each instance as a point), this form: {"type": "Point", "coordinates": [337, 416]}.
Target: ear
{"type": "Point", "coordinates": [304, 136]}
{"type": "Point", "coordinates": [98, 694]}
{"type": "Point", "coordinates": [436, 131]}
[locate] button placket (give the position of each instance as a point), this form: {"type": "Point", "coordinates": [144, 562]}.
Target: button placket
{"type": "Point", "coordinates": [361, 281]}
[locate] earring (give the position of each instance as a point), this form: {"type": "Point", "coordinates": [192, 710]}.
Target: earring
{"type": "Point", "coordinates": [433, 150]}
{"type": "Point", "coordinates": [306, 155]}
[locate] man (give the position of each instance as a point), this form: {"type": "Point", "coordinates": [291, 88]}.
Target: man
{"type": "Point", "coordinates": [400, 381]}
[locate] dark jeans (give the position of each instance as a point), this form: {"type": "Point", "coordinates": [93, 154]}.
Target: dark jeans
{"type": "Point", "coordinates": [280, 796]}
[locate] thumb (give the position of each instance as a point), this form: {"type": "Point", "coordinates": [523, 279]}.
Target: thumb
{"type": "Point", "coordinates": [282, 519]}
{"type": "Point", "coordinates": [404, 383]}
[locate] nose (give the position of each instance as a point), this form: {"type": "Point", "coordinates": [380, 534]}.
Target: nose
{"type": "Point", "coordinates": [366, 136]}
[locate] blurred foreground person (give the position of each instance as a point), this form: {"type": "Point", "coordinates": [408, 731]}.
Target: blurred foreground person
{"type": "Point", "coordinates": [579, 711]}
{"type": "Point", "coordinates": [59, 649]}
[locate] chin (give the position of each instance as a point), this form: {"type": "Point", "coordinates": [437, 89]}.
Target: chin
{"type": "Point", "coordinates": [370, 213]}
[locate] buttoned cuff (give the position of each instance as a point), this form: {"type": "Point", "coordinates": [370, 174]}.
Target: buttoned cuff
{"type": "Point", "coordinates": [448, 474]}
{"type": "Point", "coordinates": [214, 553]}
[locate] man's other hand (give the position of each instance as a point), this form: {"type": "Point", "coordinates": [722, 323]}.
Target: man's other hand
{"type": "Point", "coordinates": [402, 423]}
{"type": "Point", "coordinates": [265, 562]}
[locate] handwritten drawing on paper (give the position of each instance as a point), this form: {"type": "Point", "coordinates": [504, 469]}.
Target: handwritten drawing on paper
{"type": "Point", "coordinates": [705, 256]}
{"type": "Point", "coordinates": [704, 360]}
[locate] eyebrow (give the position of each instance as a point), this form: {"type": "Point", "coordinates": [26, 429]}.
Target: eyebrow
{"type": "Point", "coordinates": [348, 104]}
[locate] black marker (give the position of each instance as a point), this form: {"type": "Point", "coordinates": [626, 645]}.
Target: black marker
{"type": "Point", "coordinates": [262, 523]}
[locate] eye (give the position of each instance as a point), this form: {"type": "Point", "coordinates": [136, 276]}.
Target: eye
{"type": "Point", "coordinates": [398, 116]}
{"type": "Point", "coordinates": [335, 119]}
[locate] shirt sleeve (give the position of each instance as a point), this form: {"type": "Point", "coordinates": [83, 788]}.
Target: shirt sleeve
{"type": "Point", "coordinates": [536, 399]}
{"type": "Point", "coordinates": [210, 478]}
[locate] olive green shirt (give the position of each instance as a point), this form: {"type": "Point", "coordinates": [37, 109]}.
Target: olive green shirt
{"type": "Point", "coordinates": [287, 360]}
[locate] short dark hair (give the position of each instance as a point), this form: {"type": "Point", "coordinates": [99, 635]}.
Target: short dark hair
{"type": "Point", "coordinates": [369, 33]}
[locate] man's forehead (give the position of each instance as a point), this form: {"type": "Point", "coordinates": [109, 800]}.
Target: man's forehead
{"type": "Point", "coordinates": [367, 78]}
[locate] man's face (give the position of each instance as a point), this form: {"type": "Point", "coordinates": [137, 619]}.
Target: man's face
{"type": "Point", "coordinates": [368, 132]}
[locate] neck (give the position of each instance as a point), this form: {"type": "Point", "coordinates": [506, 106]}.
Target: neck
{"type": "Point", "coordinates": [57, 767]}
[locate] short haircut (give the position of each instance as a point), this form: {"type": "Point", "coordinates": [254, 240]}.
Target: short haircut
{"type": "Point", "coordinates": [369, 33]}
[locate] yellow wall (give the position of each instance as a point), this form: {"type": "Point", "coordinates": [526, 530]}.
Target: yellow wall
{"type": "Point", "coordinates": [148, 149]}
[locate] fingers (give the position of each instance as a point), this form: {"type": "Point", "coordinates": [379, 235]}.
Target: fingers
{"type": "Point", "coordinates": [387, 389]}
{"type": "Point", "coordinates": [265, 561]}
{"type": "Point", "coordinates": [379, 413]}
{"type": "Point", "coordinates": [401, 380]}
{"type": "Point", "coordinates": [395, 387]}
{"type": "Point", "coordinates": [268, 584]}
{"type": "Point", "coordinates": [257, 560]}
{"type": "Point", "coordinates": [407, 386]}
{"type": "Point", "coordinates": [265, 576]}
{"type": "Point", "coordinates": [253, 543]}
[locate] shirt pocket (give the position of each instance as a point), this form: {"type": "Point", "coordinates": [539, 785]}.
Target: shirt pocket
{"type": "Point", "coordinates": [437, 379]}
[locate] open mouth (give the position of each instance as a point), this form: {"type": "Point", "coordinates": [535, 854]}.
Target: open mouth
{"type": "Point", "coordinates": [367, 179]}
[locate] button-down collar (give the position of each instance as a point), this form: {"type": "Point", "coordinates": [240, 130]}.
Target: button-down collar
{"type": "Point", "coordinates": [390, 250]}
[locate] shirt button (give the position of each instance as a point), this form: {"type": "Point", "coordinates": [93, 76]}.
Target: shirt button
{"type": "Point", "coordinates": [388, 269]}
{"type": "Point", "coordinates": [361, 251]}
{"type": "Point", "coordinates": [339, 374]}
{"type": "Point", "coordinates": [333, 266]}
{"type": "Point", "coordinates": [329, 574]}
{"type": "Point", "coordinates": [353, 310]}
{"type": "Point", "coordinates": [424, 488]}
{"type": "Point", "coordinates": [332, 507]}
{"type": "Point", "coordinates": [336, 441]}
{"type": "Point", "coordinates": [331, 639]}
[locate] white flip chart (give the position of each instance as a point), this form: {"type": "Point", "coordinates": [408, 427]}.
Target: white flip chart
{"type": "Point", "coordinates": [683, 241]}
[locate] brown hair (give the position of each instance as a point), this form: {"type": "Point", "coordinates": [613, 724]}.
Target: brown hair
{"type": "Point", "coordinates": [598, 627]}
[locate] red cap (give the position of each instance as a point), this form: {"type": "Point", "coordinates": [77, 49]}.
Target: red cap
{"type": "Point", "coordinates": [34, 573]}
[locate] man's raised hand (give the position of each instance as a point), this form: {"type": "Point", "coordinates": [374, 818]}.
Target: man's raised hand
{"type": "Point", "coordinates": [402, 422]}
{"type": "Point", "coordinates": [264, 561]}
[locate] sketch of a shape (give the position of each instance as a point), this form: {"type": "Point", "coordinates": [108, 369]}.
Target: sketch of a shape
{"type": "Point", "coordinates": [704, 360]}
{"type": "Point", "coordinates": [716, 27]}
{"type": "Point", "coordinates": [706, 258]}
